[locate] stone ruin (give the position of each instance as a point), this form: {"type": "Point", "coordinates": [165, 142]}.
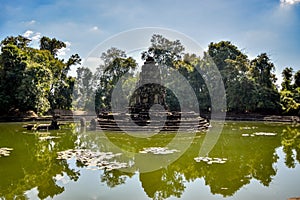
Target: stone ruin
{"type": "Point", "coordinates": [148, 108]}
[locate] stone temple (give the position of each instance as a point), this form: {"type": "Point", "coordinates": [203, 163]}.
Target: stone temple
{"type": "Point", "coordinates": [148, 110]}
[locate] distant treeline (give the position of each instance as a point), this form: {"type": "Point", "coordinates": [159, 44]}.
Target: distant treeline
{"type": "Point", "coordinates": [36, 79]}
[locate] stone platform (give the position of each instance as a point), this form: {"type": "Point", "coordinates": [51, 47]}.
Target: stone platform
{"type": "Point", "coordinates": [160, 121]}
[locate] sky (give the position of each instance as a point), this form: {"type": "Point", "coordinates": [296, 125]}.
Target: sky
{"type": "Point", "coordinates": [255, 26]}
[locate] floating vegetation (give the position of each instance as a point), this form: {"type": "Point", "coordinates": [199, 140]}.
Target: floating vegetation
{"type": "Point", "coordinates": [259, 134]}
{"type": "Point", "coordinates": [210, 161]}
{"type": "Point", "coordinates": [265, 134]}
{"type": "Point", "coordinates": [248, 135]}
{"type": "Point", "coordinates": [248, 127]}
{"type": "Point", "coordinates": [158, 150]}
{"type": "Point", "coordinates": [245, 128]}
{"type": "Point", "coordinates": [91, 159]}
{"type": "Point", "coordinates": [43, 138]}
{"type": "Point", "coordinates": [5, 151]}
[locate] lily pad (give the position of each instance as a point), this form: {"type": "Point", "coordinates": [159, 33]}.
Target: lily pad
{"type": "Point", "coordinates": [210, 161]}
{"type": "Point", "coordinates": [264, 134]}
{"type": "Point", "coordinates": [93, 160]}
{"type": "Point", "coordinates": [5, 151]}
{"type": "Point", "coordinates": [158, 150]}
{"type": "Point", "coordinates": [48, 137]}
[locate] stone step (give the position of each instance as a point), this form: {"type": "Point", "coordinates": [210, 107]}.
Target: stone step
{"type": "Point", "coordinates": [173, 121]}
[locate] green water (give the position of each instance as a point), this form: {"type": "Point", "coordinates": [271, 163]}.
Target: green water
{"type": "Point", "coordinates": [260, 167]}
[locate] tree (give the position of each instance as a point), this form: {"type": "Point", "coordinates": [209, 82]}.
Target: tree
{"type": "Point", "coordinates": [111, 54]}
{"type": "Point", "coordinates": [84, 89]}
{"type": "Point", "coordinates": [240, 89]}
{"type": "Point", "coordinates": [297, 79]}
{"type": "Point", "coordinates": [262, 70]}
{"type": "Point", "coordinates": [61, 90]}
{"type": "Point", "coordinates": [115, 66]}
{"type": "Point", "coordinates": [164, 51]}
{"type": "Point", "coordinates": [13, 64]}
{"type": "Point", "coordinates": [234, 68]}
{"type": "Point", "coordinates": [32, 93]}
{"type": "Point", "coordinates": [222, 51]}
{"type": "Point", "coordinates": [290, 93]}
{"type": "Point", "coordinates": [52, 45]}
{"type": "Point", "coordinates": [287, 75]}
{"type": "Point", "coordinates": [34, 79]}
{"type": "Point", "coordinates": [267, 97]}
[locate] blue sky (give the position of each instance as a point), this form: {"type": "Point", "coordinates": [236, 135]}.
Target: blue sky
{"type": "Point", "coordinates": [256, 26]}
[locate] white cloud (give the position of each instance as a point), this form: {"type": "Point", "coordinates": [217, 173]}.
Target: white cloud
{"type": "Point", "coordinates": [32, 22]}
{"type": "Point", "coordinates": [95, 28]}
{"type": "Point", "coordinates": [34, 36]}
{"type": "Point", "coordinates": [28, 33]}
{"type": "Point", "coordinates": [289, 2]}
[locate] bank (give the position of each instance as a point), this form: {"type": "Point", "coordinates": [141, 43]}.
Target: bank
{"type": "Point", "coordinates": [65, 115]}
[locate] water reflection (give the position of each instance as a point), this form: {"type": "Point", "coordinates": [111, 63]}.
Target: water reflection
{"type": "Point", "coordinates": [33, 162]}
{"type": "Point", "coordinates": [248, 158]}
{"type": "Point", "coordinates": [114, 178]}
{"type": "Point", "coordinates": [291, 145]}
{"type": "Point", "coordinates": [163, 183]}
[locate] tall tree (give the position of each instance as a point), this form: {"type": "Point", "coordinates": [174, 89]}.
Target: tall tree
{"type": "Point", "coordinates": [290, 93]}
{"type": "Point", "coordinates": [13, 65]}
{"type": "Point", "coordinates": [34, 79]}
{"type": "Point", "coordinates": [234, 67]}
{"type": "Point", "coordinates": [115, 66]}
{"type": "Point", "coordinates": [297, 79]}
{"type": "Point", "coordinates": [84, 89]}
{"type": "Point", "coordinates": [262, 72]}
{"type": "Point", "coordinates": [61, 90]}
{"type": "Point", "coordinates": [287, 75]}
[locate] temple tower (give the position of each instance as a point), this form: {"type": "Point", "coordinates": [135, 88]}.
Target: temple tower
{"type": "Point", "coordinates": [149, 90]}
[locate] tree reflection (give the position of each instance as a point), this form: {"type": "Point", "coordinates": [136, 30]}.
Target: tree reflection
{"type": "Point", "coordinates": [33, 163]}
{"type": "Point", "coordinates": [248, 158]}
{"type": "Point", "coordinates": [291, 145]}
{"type": "Point", "coordinates": [115, 177]}
{"type": "Point", "coordinates": [162, 183]}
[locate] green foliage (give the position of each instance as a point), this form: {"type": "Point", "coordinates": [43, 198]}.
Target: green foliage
{"type": "Point", "coordinates": [222, 51]}
{"type": "Point", "coordinates": [291, 145]}
{"type": "Point", "coordinates": [52, 45]}
{"type": "Point", "coordinates": [83, 93]}
{"type": "Point", "coordinates": [19, 41]}
{"type": "Point", "coordinates": [287, 74]}
{"type": "Point", "coordinates": [13, 64]}
{"type": "Point", "coordinates": [250, 85]}
{"type": "Point", "coordinates": [289, 105]}
{"type": "Point", "coordinates": [34, 79]}
{"type": "Point", "coordinates": [165, 52]}
{"type": "Point", "coordinates": [297, 79]}
{"type": "Point", "coordinates": [290, 93]}
{"type": "Point", "coordinates": [115, 66]}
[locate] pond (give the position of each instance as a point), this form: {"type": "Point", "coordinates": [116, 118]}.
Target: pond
{"type": "Point", "coordinates": [257, 161]}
